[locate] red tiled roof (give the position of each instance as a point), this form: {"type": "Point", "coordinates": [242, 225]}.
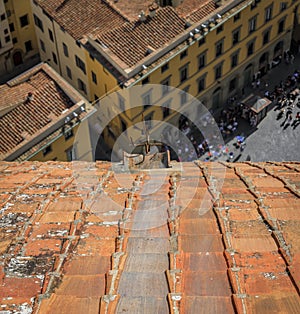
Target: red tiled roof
{"type": "Point", "coordinates": [25, 117]}
{"type": "Point", "coordinates": [116, 25]}
{"type": "Point", "coordinates": [64, 249]}
{"type": "Point", "coordinates": [195, 10]}
{"type": "Point", "coordinates": [132, 8]}
{"type": "Point", "coordinates": [203, 11]}
{"type": "Point", "coordinates": [80, 17]}
{"type": "Point", "coordinates": [131, 41]}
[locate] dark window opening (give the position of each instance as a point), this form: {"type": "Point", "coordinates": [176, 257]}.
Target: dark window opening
{"type": "Point", "coordinates": [47, 150]}
{"type": "Point", "coordinates": [54, 57]}
{"type": "Point", "coordinates": [38, 23]}
{"type": "Point", "coordinates": [145, 80]}
{"type": "Point", "coordinates": [94, 77]}
{"type": "Point", "coordinates": [51, 35]}
{"type": "Point", "coordinates": [183, 54]}
{"type": "Point", "coordinates": [165, 67]}
{"type": "Point", "coordinates": [183, 74]}
{"type": "Point", "coordinates": [24, 20]}
{"type": "Point", "coordinates": [28, 46]}
{"type": "Point", "coordinates": [12, 27]}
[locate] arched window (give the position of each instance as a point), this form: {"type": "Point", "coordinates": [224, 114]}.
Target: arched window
{"type": "Point", "coordinates": [264, 58]}
{"type": "Point", "coordinates": [248, 73]}
{"type": "Point", "coordinates": [216, 97]}
{"type": "Point", "coordinates": [17, 58]}
{"type": "Point", "coordinates": [278, 50]}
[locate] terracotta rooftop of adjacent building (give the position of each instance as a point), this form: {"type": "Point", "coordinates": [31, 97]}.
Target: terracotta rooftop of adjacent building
{"type": "Point", "coordinates": [80, 17]}
{"type": "Point", "coordinates": [154, 36]}
{"type": "Point", "coordinates": [204, 238]}
{"type": "Point", "coordinates": [124, 40]}
{"type": "Point", "coordinates": [143, 38]}
{"type": "Point", "coordinates": [132, 8]}
{"type": "Point", "coordinates": [196, 8]}
{"type": "Point", "coordinates": [32, 103]}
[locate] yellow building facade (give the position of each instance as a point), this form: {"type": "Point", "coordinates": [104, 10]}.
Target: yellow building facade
{"type": "Point", "coordinates": [18, 35]}
{"type": "Point", "coordinates": [65, 148]}
{"type": "Point", "coordinates": [213, 58]}
{"type": "Point", "coordinates": [229, 54]}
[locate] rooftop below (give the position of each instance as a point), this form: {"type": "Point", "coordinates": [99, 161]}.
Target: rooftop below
{"type": "Point", "coordinates": [32, 104]}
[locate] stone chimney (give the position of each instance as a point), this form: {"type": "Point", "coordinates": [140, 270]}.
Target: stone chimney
{"type": "Point", "coordinates": [219, 3]}
{"type": "Point", "coordinates": [29, 97]}
{"type": "Point", "coordinates": [142, 16]}
{"type": "Point", "coordinates": [152, 9]}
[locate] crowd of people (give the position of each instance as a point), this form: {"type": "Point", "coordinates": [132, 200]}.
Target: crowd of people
{"type": "Point", "coordinates": [286, 98]}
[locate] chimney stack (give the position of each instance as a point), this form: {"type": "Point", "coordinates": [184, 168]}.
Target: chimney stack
{"type": "Point", "coordinates": [29, 97]}
{"type": "Point", "coordinates": [142, 16]}
{"type": "Point", "coordinates": [152, 9]}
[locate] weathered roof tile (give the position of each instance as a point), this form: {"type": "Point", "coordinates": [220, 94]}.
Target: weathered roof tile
{"type": "Point", "coordinates": [230, 255]}
{"type": "Point", "coordinates": [29, 115]}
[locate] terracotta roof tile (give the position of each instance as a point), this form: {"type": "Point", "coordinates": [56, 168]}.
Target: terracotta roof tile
{"type": "Point", "coordinates": [259, 283]}
{"type": "Point", "coordinates": [188, 6]}
{"type": "Point", "coordinates": [137, 304]}
{"type": "Point", "coordinates": [260, 261]}
{"type": "Point", "coordinates": [254, 243]}
{"type": "Point", "coordinates": [92, 246]}
{"type": "Point", "coordinates": [80, 18]}
{"type": "Point", "coordinates": [138, 36]}
{"type": "Point", "coordinates": [82, 286]}
{"type": "Point", "coordinates": [205, 283]}
{"type": "Point", "coordinates": [203, 11]}
{"type": "Point", "coordinates": [69, 304]}
{"type": "Point", "coordinates": [248, 227]}
{"type": "Point", "coordinates": [210, 261]}
{"type": "Point", "coordinates": [87, 265]}
{"type": "Point", "coordinates": [28, 118]}
{"type": "Point", "coordinates": [130, 8]}
{"type": "Point", "coordinates": [203, 305]}
{"type": "Point", "coordinates": [231, 256]}
{"type": "Point", "coordinates": [243, 214]}
{"type": "Point", "coordinates": [205, 243]}
{"type": "Point", "coordinates": [27, 287]}
{"type": "Point", "coordinates": [191, 227]}
{"type": "Point", "coordinates": [275, 302]}
{"type": "Point", "coordinates": [52, 217]}
{"type": "Point", "coordinates": [49, 231]}
{"type": "Point", "coordinates": [192, 212]}
{"type": "Point", "coordinates": [64, 204]}
{"type": "Point", "coordinates": [45, 246]}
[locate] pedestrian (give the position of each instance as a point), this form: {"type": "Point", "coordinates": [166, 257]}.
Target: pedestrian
{"type": "Point", "coordinates": [287, 60]}
{"type": "Point", "coordinates": [292, 58]}
{"type": "Point", "coordinates": [297, 119]}
{"type": "Point", "coordinates": [258, 83]}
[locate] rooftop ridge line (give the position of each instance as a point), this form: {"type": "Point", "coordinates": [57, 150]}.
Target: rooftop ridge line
{"type": "Point", "coordinates": [286, 165]}
{"type": "Point", "coordinates": [283, 248]}
{"type": "Point", "coordinates": [233, 275]}
{"type": "Point", "coordinates": [109, 302]}
{"type": "Point", "coordinates": [291, 187]}
{"type": "Point", "coordinates": [174, 275]}
{"type": "Point", "coordinates": [118, 11]}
